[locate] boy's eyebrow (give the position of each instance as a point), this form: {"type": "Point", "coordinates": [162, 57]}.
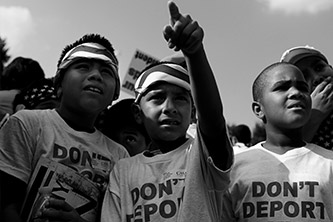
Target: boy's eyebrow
{"type": "Point", "coordinates": [316, 61]}
{"type": "Point", "coordinates": [289, 81]}
{"type": "Point", "coordinates": [281, 82]}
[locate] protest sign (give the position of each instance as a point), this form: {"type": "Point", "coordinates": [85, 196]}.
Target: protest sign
{"type": "Point", "coordinates": [139, 61]}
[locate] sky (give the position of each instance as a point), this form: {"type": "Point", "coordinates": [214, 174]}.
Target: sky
{"type": "Point", "coordinates": [242, 37]}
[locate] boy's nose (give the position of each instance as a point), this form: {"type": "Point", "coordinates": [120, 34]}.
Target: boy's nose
{"type": "Point", "coordinates": [295, 93]}
{"type": "Point", "coordinates": [169, 106]}
{"type": "Point", "coordinates": [95, 75]}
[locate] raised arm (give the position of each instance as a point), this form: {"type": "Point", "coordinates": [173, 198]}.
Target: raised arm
{"type": "Point", "coordinates": [186, 35]}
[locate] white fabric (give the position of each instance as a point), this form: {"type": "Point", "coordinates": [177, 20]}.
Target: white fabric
{"type": "Point", "coordinates": [6, 100]}
{"type": "Point", "coordinates": [36, 133]}
{"type": "Point", "coordinates": [294, 186]}
{"type": "Point", "coordinates": [181, 185]}
{"type": "Point", "coordinates": [86, 54]}
{"type": "Point", "coordinates": [239, 147]}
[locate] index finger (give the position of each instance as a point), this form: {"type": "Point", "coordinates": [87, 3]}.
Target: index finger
{"type": "Point", "coordinates": [59, 204]}
{"type": "Point", "coordinates": [174, 12]}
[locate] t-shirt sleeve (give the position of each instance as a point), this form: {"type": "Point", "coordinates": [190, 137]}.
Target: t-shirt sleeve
{"type": "Point", "coordinates": [215, 179]}
{"type": "Point", "coordinates": [205, 185]}
{"type": "Point", "coordinates": [16, 149]}
{"type": "Point", "coordinates": [227, 210]}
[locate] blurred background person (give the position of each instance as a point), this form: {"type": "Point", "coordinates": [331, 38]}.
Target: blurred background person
{"type": "Point", "coordinates": [118, 123]}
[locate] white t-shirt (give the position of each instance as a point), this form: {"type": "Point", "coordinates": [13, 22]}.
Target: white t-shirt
{"type": "Point", "coordinates": [239, 147]}
{"type": "Point", "coordinates": [36, 133]}
{"type": "Point", "coordinates": [294, 186]}
{"type": "Point", "coordinates": [6, 100]}
{"type": "Point", "coordinates": [181, 185]}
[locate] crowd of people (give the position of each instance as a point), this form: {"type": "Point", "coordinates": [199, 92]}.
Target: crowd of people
{"type": "Point", "coordinates": [69, 151]}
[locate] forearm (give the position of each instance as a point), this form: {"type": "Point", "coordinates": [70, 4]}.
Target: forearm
{"type": "Point", "coordinates": [205, 93]}
{"type": "Point", "coordinates": [209, 109]}
{"type": "Point", "coordinates": [10, 213]}
{"type": "Point", "coordinates": [12, 192]}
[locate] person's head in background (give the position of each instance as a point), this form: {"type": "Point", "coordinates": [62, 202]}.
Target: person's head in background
{"type": "Point", "coordinates": [242, 134]}
{"type": "Point", "coordinates": [177, 57]}
{"type": "Point", "coordinates": [281, 99]}
{"type": "Point", "coordinates": [119, 124]}
{"type": "Point", "coordinates": [39, 95]}
{"type": "Point", "coordinates": [20, 73]}
{"type": "Point", "coordinates": [313, 64]}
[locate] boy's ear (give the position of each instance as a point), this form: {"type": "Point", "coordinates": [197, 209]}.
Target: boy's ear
{"type": "Point", "coordinates": [59, 92]}
{"type": "Point", "coordinates": [257, 110]}
{"type": "Point", "coordinates": [136, 110]}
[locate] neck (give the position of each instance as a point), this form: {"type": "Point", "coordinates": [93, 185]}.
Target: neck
{"type": "Point", "coordinates": [283, 142]}
{"type": "Point", "coordinates": [78, 122]}
{"type": "Point", "coordinates": [167, 146]}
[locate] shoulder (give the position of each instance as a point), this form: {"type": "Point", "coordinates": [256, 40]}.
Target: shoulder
{"type": "Point", "coordinates": [250, 154]}
{"type": "Point", "coordinates": [117, 150]}
{"type": "Point", "coordinates": [25, 113]}
{"type": "Point", "coordinates": [128, 163]}
{"type": "Point", "coordinates": [31, 121]}
{"type": "Point", "coordinates": [320, 151]}
{"type": "Point", "coordinates": [32, 116]}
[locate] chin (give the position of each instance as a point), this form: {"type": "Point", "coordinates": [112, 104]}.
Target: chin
{"type": "Point", "coordinates": [93, 105]}
{"type": "Point", "coordinates": [297, 124]}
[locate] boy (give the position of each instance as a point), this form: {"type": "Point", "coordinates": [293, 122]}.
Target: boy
{"type": "Point", "coordinates": [318, 74]}
{"type": "Point", "coordinates": [119, 124]}
{"type": "Point", "coordinates": [283, 178]}
{"type": "Point", "coordinates": [86, 82]}
{"type": "Point", "coordinates": [179, 178]}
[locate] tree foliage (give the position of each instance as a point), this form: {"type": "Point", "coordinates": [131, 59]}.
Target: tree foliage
{"type": "Point", "coordinates": [4, 57]}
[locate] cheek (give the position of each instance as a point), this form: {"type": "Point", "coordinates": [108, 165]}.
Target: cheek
{"type": "Point", "coordinates": [111, 88]}
{"type": "Point", "coordinates": [187, 113]}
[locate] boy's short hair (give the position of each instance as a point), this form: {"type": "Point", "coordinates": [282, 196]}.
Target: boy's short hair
{"type": "Point", "coordinates": [295, 54]}
{"type": "Point", "coordinates": [90, 46]}
{"type": "Point", "coordinates": [261, 81]}
{"type": "Point", "coordinates": [161, 72]}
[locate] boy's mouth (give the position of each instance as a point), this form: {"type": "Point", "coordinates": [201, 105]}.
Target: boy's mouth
{"type": "Point", "coordinates": [170, 122]}
{"type": "Point", "coordinates": [93, 89]}
{"type": "Point", "coordinates": [297, 105]}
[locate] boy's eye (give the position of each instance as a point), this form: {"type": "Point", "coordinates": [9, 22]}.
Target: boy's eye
{"type": "Point", "coordinates": [281, 87]}
{"type": "Point", "coordinates": [130, 139]}
{"type": "Point", "coordinates": [319, 67]}
{"type": "Point", "coordinates": [317, 81]}
{"type": "Point", "coordinates": [82, 66]}
{"type": "Point", "coordinates": [183, 98]}
{"type": "Point", "coordinates": [157, 97]}
{"type": "Point", "coordinates": [107, 71]}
